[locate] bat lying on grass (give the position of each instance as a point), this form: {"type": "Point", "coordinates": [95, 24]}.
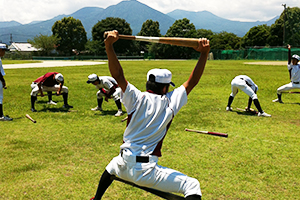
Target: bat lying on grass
{"type": "Point", "coordinates": [28, 116]}
{"type": "Point", "coordinates": [208, 132]}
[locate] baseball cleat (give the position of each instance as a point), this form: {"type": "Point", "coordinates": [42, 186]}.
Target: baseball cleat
{"type": "Point", "coordinates": [119, 113]}
{"type": "Point", "coordinates": [277, 100]}
{"type": "Point", "coordinates": [5, 118]}
{"type": "Point", "coordinates": [263, 114]}
{"type": "Point", "coordinates": [228, 109]}
{"type": "Point", "coordinates": [33, 110]}
{"type": "Point", "coordinates": [96, 108]}
{"type": "Point", "coordinates": [51, 102]}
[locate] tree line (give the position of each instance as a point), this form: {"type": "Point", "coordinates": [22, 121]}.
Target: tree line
{"type": "Point", "coordinates": [69, 37]}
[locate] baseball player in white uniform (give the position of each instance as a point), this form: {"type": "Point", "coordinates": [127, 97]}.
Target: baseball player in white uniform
{"type": "Point", "coordinates": [150, 114]}
{"type": "Point", "coordinates": [108, 88]}
{"type": "Point", "coordinates": [2, 83]}
{"type": "Point", "coordinates": [245, 84]}
{"type": "Point", "coordinates": [50, 82]}
{"type": "Point", "coordinates": [294, 71]}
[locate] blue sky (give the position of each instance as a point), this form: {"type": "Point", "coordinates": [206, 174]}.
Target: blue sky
{"type": "Point", "coordinates": [26, 11]}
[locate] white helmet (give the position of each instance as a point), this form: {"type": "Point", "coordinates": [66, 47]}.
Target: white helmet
{"type": "Point", "coordinates": [59, 77]}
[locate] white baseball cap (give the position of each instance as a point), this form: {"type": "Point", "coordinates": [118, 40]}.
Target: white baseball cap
{"type": "Point", "coordinates": [92, 78]}
{"type": "Point", "coordinates": [3, 46]}
{"type": "Point", "coordinates": [296, 57]}
{"type": "Point", "coordinates": [59, 77]}
{"type": "Point", "coordinates": [161, 76]}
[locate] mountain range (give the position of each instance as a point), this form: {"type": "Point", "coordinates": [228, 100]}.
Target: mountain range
{"type": "Point", "coordinates": [135, 13]}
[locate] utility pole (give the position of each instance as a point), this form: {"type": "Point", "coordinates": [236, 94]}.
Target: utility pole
{"type": "Point", "coordinates": [284, 5]}
{"type": "Point", "coordinates": [11, 41]}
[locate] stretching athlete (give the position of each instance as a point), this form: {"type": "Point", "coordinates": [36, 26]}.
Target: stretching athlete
{"type": "Point", "coordinates": [150, 114]}
{"type": "Point", "coordinates": [294, 70]}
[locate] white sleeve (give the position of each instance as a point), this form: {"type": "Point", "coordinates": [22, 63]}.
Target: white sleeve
{"type": "Point", "coordinates": [178, 98]}
{"type": "Point", "coordinates": [107, 84]}
{"type": "Point", "coordinates": [129, 98]}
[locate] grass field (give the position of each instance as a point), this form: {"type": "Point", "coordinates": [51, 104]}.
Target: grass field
{"type": "Point", "coordinates": [63, 155]}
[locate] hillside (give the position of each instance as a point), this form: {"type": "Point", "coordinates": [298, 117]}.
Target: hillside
{"type": "Point", "coordinates": [135, 13]}
{"type": "Point", "coordinates": [207, 20]}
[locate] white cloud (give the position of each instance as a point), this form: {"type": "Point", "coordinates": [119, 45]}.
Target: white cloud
{"type": "Point", "coordinates": [25, 11]}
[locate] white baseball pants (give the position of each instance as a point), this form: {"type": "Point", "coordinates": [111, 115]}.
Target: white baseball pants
{"type": "Point", "coordinates": [116, 95]}
{"type": "Point", "coordinates": [288, 87]}
{"type": "Point", "coordinates": [35, 89]}
{"type": "Point", "coordinates": [152, 175]}
{"type": "Point", "coordinates": [237, 84]}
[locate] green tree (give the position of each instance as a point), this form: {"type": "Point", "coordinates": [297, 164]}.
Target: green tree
{"type": "Point", "coordinates": [70, 35]}
{"type": "Point", "coordinates": [257, 36]}
{"type": "Point", "coordinates": [44, 42]}
{"type": "Point", "coordinates": [149, 28]}
{"type": "Point", "coordinates": [289, 21]}
{"type": "Point", "coordinates": [123, 47]}
{"type": "Point", "coordinates": [180, 28]}
{"type": "Point", "coordinates": [204, 33]}
{"type": "Point", "coordinates": [225, 41]}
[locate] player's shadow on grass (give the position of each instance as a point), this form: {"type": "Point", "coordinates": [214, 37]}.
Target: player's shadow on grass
{"type": "Point", "coordinates": [106, 112]}
{"type": "Point", "coordinates": [245, 113]}
{"type": "Point", "coordinates": [51, 108]}
{"type": "Point", "coordinates": [293, 103]}
{"type": "Point", "coordinates": [56, 109]}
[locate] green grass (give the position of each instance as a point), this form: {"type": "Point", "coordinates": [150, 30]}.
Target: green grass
{"type": "Point", "coordinates": [6, 61]}
{"type": "Point", "coordinates": [63, 155]}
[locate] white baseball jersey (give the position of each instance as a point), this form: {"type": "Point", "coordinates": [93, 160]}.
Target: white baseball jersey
{"type": "Point", "coordinates": [1, 86]}
{"type": "Point", "coordinates": [1, 68]}
{"type": "Point", "coordinates": [149, 117]}
{"type": "Point", "coordinates": [106, 82]}
{"type": "Point", "coordinates": [295, 72]}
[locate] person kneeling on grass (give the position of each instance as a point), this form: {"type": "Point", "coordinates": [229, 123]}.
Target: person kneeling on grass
{"type": "Point", "coordinates": [108, 88]}
{"type": "Point", "coordinates": [245, 84]}
{"type": "Point", "coordinates": [150, 115]}
{"type": "Point", "coordinates": [51, 81]}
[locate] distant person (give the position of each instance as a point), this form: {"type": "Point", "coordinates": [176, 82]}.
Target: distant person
{"type": "Point", "coordinates": [294, 71]}
{"type": "Point", "coordinates": [107, 88]}
{"type": "Point", "coordinates": [245, 84]}
{"type": "Point", "coordinates": [2, 83]}
{"type": "Point", "coordinates": [51, 81]}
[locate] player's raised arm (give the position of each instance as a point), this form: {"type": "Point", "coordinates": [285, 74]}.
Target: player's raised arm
{"type": "Point", "coordinates": [196, 74]}
{"type": "Point", "coordinates": [114, 65]}
{"type": "Point", "coordinates": [289, 54]}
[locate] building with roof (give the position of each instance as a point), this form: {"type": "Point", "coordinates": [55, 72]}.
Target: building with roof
{"type": "Point", "coordinates": [25, 48]}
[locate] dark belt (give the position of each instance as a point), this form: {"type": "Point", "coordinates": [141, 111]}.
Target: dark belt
{"type": "Point", "coordinates": [141, 159]}
{"type": "Point", "coordinates": [296, 82]}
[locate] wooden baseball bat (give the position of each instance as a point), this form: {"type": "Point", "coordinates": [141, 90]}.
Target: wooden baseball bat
{"type": "Point", "coordinates": [165, 195]}
{"type": "Point", "coordinates": [28, 116]}
{"type": "Point", "coordinates": [209, 133]}
{"type": "Point", "coordinates": [124, 119]}
{"type": "Point", "coordinates": [184, 42]}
